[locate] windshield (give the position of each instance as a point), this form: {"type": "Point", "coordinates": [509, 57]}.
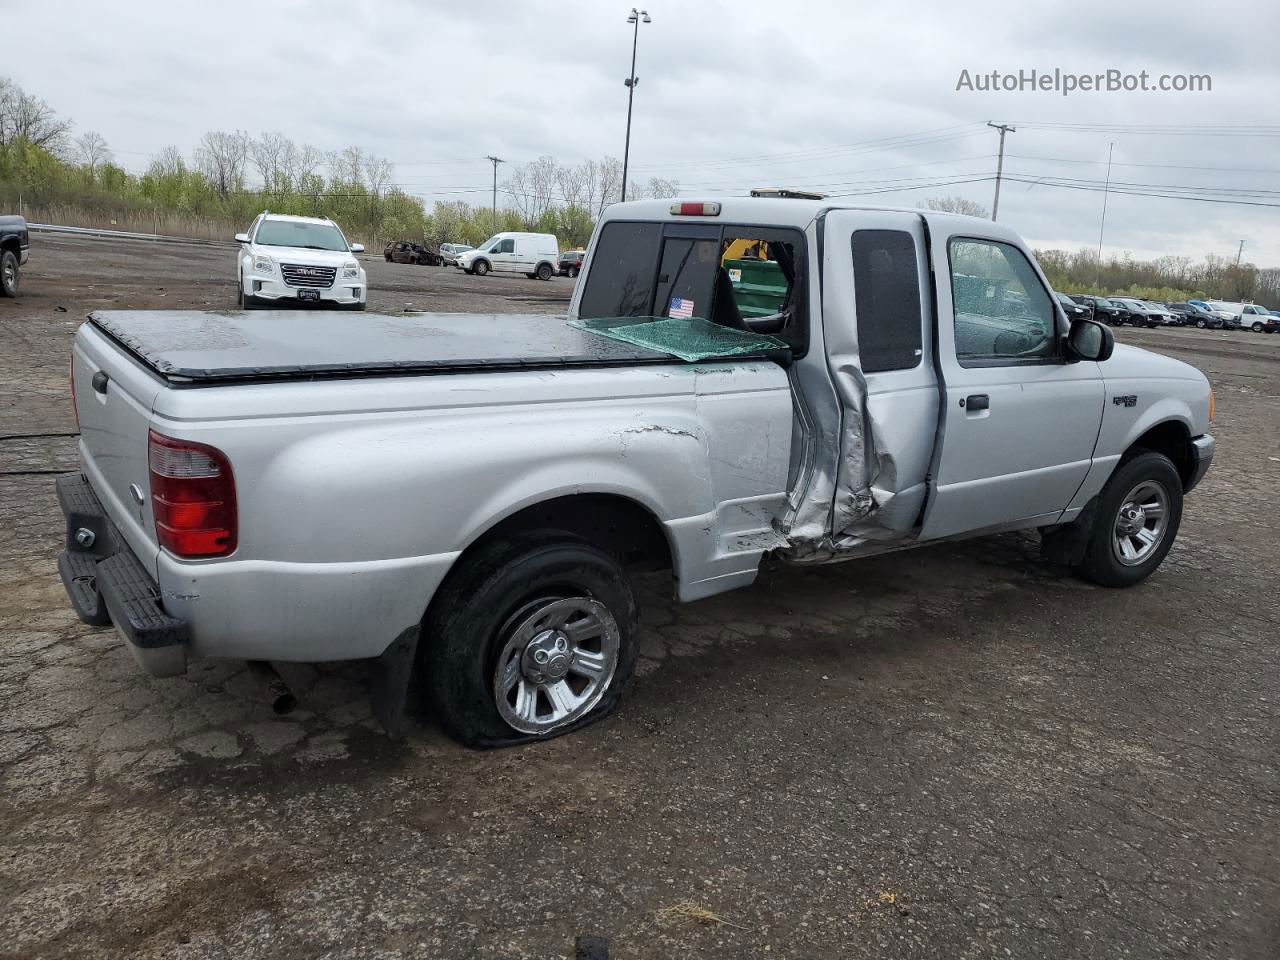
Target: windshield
{"type": "Point", "coordinates": [296, 233]}
{"type": "Point", "coordinates": [1102, 302]}
{"type": "Point", "coordinates": [489, 244]}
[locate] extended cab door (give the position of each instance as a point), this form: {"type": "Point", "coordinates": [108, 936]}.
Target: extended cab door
{"type": "Point", "coordinates": [1018, 422]}
{"type": "Point", "coordinates": [878, 331]}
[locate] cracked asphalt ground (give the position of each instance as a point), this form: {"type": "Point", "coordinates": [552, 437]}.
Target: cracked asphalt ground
{"type": "Point", "coordinates": [953, 752]}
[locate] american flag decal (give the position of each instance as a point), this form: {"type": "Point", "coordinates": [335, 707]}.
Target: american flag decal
{"type": "Point", "coordinates": [681, 309]}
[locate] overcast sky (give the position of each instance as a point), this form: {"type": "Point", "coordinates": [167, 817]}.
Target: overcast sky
{"type": "Point", "coordinates": [843, 97]}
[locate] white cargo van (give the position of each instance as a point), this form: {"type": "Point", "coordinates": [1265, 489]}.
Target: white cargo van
{"type": "Point", "coordinates": [533, 254]}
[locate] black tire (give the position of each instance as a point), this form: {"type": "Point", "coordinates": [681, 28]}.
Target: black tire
{"type": "Point", "coordinates": [9, 273]}
{"type": "Point", "coordinates": [1256, 328]}
{"type": "Point", "coordinates": [465, 629]}
{"type": "Point", "coordinates": [544, 271]}
{"type": "Point", "coordinates": [480, 268]}
{"type": "Point", "coordinates": [573, 272]}
{"type": "Point", "coordinates": [1200, 324]}
{"type": "Point", "coordinates": [1101, 563]}
{"type": "Point", "coordinates": [240, 291]}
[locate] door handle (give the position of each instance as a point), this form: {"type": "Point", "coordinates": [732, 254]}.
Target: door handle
{"type": "Point", "coordinates": [976, 401]}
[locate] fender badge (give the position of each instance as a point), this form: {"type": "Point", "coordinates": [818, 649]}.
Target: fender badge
{"type": "Point", "coordinates": [1129, 400]}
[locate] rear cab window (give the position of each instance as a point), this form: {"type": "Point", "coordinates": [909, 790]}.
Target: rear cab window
{"type": "Point", "coordinates": [742, 277]}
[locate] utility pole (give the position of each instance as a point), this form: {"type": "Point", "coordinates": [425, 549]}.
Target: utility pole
{"type": "Point", "coordinates": [1239, 253]}
{"type": "Point", "coordinates": [1102, 225]}
{"type": "Point", "coordinates": [1003, 128]}
{"type": "Point", "coordinates": [637, 17]}
{"type": "Point", "coordinates": [493, 220]}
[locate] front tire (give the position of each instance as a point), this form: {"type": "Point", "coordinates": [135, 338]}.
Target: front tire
{"type": "Point", "coordinates": [480, 268]}
{"type": "Point", "coordinates": [9, 273]}
{"type": "Point", "coordinates": [1135, 522]}
{"type": "Point", "coordinates": [529, 638]}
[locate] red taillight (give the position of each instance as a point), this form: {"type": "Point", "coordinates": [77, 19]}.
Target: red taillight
{"type": "Point", "coordinates": [193, 497]}
{"type": "Point", "coordinates": [708, 209]}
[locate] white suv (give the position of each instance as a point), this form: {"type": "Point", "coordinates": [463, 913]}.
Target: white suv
{"type": "Point", "coordinates": [299, 260]}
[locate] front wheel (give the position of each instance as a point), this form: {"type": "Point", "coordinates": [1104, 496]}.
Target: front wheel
{"type": "Point", "coordinates": [1135, 522]}
{"type": "Point", "coordinates": [8, 274]}
{"type": "Point", "coordinates": [529, 638]}
{"type": "Point", "coordinates": [544, 271]}
{"type": "Point", "coordinates": [480, 268]}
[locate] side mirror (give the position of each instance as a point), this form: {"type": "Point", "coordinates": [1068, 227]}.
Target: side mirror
{"type": "Point", "coordinates": [1090, 340]}
{"type": "Point", "coordinates": [357, 248]}
{"type": "Point", "coordinates": [242, 238]}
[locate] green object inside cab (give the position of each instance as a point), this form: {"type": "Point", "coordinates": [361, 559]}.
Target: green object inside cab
{"type": "Point", "coordinates": [759, 287]}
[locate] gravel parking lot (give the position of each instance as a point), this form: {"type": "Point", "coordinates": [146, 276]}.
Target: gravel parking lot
{"type": "Point", "coordinates": [953, 752]}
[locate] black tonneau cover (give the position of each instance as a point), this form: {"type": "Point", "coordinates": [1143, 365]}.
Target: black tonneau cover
{"type": "Point", "coordinates": [205, 347]}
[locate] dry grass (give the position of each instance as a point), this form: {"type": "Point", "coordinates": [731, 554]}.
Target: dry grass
{"type": "Point", "coordinates": [691, 911]}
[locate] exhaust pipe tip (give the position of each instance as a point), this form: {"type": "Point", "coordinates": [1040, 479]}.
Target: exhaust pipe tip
{"type": "Point", "coordinates": [279, 695]}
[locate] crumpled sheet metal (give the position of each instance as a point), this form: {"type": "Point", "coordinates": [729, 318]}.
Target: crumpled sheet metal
{"type": "Point", "coordinates": [690, 340]}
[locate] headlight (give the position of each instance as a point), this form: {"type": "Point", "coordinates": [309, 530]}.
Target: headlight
{"type": "Point", "coordinates": [263, 265]}
{"type": "Point", "coordinates": [350, 270]}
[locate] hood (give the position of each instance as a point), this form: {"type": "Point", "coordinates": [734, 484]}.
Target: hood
{"type": "Point", "coordinates": [1130, 361]}
{"type": "Point", "coordinates": [313, 258]}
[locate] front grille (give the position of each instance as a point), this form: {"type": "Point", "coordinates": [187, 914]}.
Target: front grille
{"type": "Point", "coordinates": [300, 275]}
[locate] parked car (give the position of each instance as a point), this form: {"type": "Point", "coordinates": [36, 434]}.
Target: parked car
{"type": "Point", "coordinates": [1192, 315]}
{"type": "Point", "coordinates": [298, 261]}
{"type": "Point", "coordinates": [1103, 309]}
{"type": "Point", "coordinates": [570, 263]}
{"type": "Point", "coordinates": [406, 251]}
{"type": "Point", "coordinates": [449, 253]}
{"type": "Point", "coordinates": [496, 534]}
{"type": "Point", "coordinates": [1227, 312]}
{"type": "Point", "coordinates": [1161, 314]}
{"type": "Point", "coordinates": [1141, 314]}
{"type": "Point", "coordinates": [1073, 310]}
{"type": "Point", "coordinates": [533, 254]}
{"type": "Point", "coordinates": [15, 243]}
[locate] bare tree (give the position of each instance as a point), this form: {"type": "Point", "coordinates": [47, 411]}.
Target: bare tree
{"type": "Point", "coordinates": [378, 174]}
{"type": "Point", "coordinates": [271, 158]}
{"type": "Point", "coordinates": [92, 151]}
{"type": "Point", "coordinates": [532, 188]}
{"type": "Point", "coordinates": [167, 163]}
{"type": "Point", "coordinates": [957, 205]}
{"type": "Point", "coordinates": [27, 117]}
{"type": "Point", "coordinates": [221, 157]}
{"type": "Point", "coordinates": [608, 184]}
{"type": "Point", "coordinates": [661, 189]}
{"type": "Point", "coordinates": [302, 164]}
{"type": "Point", "coordinates": [347, 166]}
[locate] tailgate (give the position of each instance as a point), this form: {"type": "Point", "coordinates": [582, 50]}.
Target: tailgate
{"type": "Point", "coordinates": [114, 399]}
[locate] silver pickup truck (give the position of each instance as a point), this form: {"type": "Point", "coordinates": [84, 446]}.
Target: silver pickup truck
{"type": "Point", "coordinates": [461, 499]}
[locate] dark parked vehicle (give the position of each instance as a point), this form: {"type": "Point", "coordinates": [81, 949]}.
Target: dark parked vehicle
{"type": "Point", "coordinates": [1074, 310]}
{"type": "Point", "coordinates": [14, 241]}
{"type": "Point", "coordinates": [570, 263]}
{"type": "Point", "coordinates": [405, 251]}
{"type": "Point", "coordinates": [1193, 316]}
{"type": "Point", "coordinates": [1106, 311]}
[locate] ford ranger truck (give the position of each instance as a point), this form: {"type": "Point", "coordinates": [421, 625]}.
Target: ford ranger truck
{"type": "Point", "coordinates": [465, 499]}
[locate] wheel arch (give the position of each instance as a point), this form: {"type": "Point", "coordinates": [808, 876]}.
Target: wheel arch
{"type": "Point", "coordinates": [1171, 437]}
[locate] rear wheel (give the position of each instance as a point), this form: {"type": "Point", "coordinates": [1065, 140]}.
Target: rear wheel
{"type": "Point", "coordinates": [1135, 522]}
{"type": "Point", "coordinates": [544, 271]}
{"type": "Point", "coordinates": [1257, 327]}
{"type": "Point", "coordinates": [240, 291]}
{"type": "Point", "coordinates": [1200, 324]}
{"type": "Point", "coordinates": [530, 638]}
{"type": "Point", "coordinates": [573, 272]}
{"type": "Point", "coordinates": [8, 274]}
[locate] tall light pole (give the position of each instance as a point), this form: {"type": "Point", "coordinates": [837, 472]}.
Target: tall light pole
{"type": "Point", "coordinates": [1102, 224]}
{"type": "Point", "coordinates": [637, 17]}
{"type": "Point", "coordinates": [1003, 128]}
{"type": "Point", "coordinates": [493, 217]}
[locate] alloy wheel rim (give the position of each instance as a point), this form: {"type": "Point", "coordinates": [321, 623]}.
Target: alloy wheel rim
{"type": "Point", "coordinates": [1141, 523]}
{"type": "Point", "coordinates": [557, 661]}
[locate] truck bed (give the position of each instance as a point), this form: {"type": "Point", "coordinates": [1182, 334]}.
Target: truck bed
{"type": "Point", "coordinates": [204, 348]}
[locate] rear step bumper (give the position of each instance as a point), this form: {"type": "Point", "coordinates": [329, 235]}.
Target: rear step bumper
{"type": "Point", "coordinates": [107, 584]}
